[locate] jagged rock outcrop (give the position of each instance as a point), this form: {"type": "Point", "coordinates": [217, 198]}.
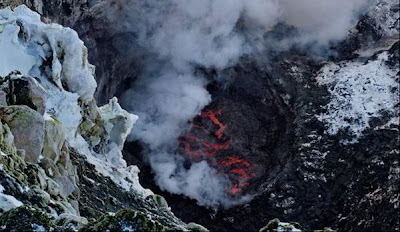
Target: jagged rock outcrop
{"type": "Point", "coordinates": [332, 146]}
{"type": "Point", "coordinates": [61, 162]}
{"type": "Point", "coordinates": [61, 11]}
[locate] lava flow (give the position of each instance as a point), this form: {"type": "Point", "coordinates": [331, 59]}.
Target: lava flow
{"type": "Point", "coordinates": [208, 141]}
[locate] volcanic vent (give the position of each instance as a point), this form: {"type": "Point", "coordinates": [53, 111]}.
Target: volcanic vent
{"type": "Point", "coordinates": [241, 133]}
{"type": "Point", "coordinates": [208, 140]}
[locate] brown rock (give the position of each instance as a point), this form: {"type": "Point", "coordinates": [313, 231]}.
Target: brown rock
{"type": "Point", "coordinates": [27, 126]}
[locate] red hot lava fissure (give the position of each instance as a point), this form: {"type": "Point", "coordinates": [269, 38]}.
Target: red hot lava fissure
{"type": "Point", "coordinates": [201, 143]}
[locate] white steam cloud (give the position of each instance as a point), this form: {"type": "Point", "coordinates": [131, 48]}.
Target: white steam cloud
{"type": "Point", "coordinates": [322, 21]}
{"type": "Point", "coordinates": [180, 35]}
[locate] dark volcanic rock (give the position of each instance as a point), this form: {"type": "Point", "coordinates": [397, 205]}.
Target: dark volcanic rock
{"type": "Point", "coordinates": [101, 196]}
{"type": "Point", "coordinates": [118, 59]}
{"type": "Point", "coordinates": [270, 109]}
{"type": "Point", "coordinates": [306, 175]}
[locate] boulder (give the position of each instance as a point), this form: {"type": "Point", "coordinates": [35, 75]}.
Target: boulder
{"type": "Point", "coordinates": [25, 90]}
{"type": "Point", "coordinates": [54, 139]}
{"type": "Point", "coordinates": [52, 187]}
{"type": "Point", "coordinates": [67, 221]}
{"type": "Point", "coordinates": [160, 201]}
{"type": "Point", "coordinates": [38, 197]}
{"type": "Point", "coordinates": [196, 227]}
{"type": "Point", "coordinates": [27, 126]}
{"type": "Point", "coordinates": [65, 184]}
{"type": "Point", "coordinates": [49, 167]}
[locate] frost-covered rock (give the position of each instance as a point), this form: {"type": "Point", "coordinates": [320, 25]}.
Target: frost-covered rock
{"type": "Point", "coordinates": [360, 92]}
{"type": "Point", "coordinates": [276, 225]}
{"type": "Point", "coordinates": [384, 16]}
{"type": "Point", "coordinates": [118, 122]}
{"type": "Point", "coordinates": [35, 43]}
{"type": "Point", "coordinates": [52, 134]}
{"type": "Point", "coordinates": [62, 67]}
{"type": "Point", "coordinates": [71, 222]}
{"type": "Point", "coordinates": [7, 202]}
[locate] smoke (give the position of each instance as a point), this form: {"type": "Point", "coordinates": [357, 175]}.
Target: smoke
{"type": "Point", "coordinates": [322, 21]}
{"type": "Point", "coordinates": [178, 36]}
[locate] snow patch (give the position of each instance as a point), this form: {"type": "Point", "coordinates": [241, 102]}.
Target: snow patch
{"type": "Point", "coordinates": [64, 106]}
{"type": "Point", "coordinates": [38, 228]}
{"type": "Point", "coordinates": [126, 177]}
{"type": "Point", "coordinates": [16, 58]}
{"type": "Point", "coordinates": [359, 92]}
{"type": "Point", "coordinates": [8, 202]}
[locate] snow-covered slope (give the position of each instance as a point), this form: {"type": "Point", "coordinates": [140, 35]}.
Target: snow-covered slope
{"type": "Point", "coordinates": [367, 87]}
{"type": "Point", "coordinates": [360, 92]}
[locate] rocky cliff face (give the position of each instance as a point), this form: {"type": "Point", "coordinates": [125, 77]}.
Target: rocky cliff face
{"type": "Point", "coordinates": [61, 162]}
{"type": "Point", "coordinates": [326, 140]}
{"type": "Point", "coordinates": [325, 151]}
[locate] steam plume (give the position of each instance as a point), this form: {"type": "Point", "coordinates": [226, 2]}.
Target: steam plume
{"type": "Point", "coordinates": [176, 36]}
{"type": "Point", "coordinates": [322, 21]}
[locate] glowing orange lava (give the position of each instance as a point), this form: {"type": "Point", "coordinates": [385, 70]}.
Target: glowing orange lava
{"type": "Point", "coordinates": [242, 174]}
{"type": "Point", "coordinates": [234, 190]}
{"type": "Point", "coordinates": [199, 145]}
{"type": "Point", "coordinates": [234, 160]}
{"type": "Point", "coordinates": [214, 119]}
{"type": "Point", "coordinates": [197, 148]}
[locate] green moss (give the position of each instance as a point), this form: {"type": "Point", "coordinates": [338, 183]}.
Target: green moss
{"type": "Point", "coordinates": [22, 219]}
{"type": "Point", "coordinates": [32, 173]}
{"type": "Point", "coordinates": [92, 130]}
{"type": "Point", "coordinates": [272, 225]}
{"type": "Point", "coordinates": [126, 218]}
{"type": "Point", "coordinates": [158, 201]}
{"type": "Point", "coordinates": [56, 120]}
{"type": "Point", "coordinates": [196, 227]}
{"type": "Point", "coordinates": [11, 161]}
{"type": "Point", "coordinates": [328, 229]}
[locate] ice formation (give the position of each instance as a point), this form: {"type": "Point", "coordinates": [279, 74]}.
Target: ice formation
{"type": "Point", "coordinates": [57, 58]}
